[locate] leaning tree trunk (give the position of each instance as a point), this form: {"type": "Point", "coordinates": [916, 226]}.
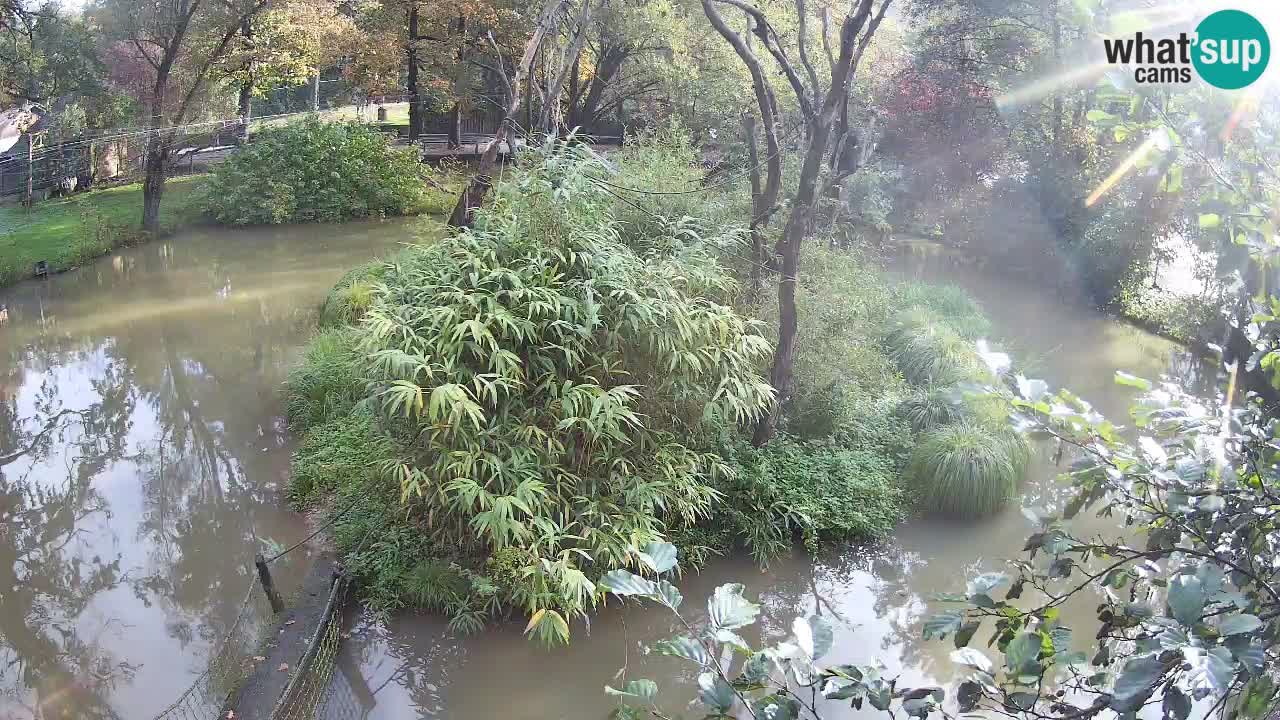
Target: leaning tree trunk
{"type": "Point", "coordinates": [474, 193]}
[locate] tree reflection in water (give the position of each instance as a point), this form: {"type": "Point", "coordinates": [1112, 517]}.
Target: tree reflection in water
{"type": "Point", "coordinates": [141, 449]}
{"type": "Point", "coordinates": [49, 569]}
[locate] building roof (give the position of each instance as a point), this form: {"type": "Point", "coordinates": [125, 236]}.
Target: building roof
{"type": "Point", "coordinates": [16, 121]}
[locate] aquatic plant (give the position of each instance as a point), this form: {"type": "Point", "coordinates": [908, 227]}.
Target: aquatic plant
{"type": "Point", "coordinates": [968, 469]}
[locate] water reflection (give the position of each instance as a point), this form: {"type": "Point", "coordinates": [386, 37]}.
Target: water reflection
{"type": "Point", "coordinates": [876, 597]}
{"type": "Point", "coordinates": [142, 455]}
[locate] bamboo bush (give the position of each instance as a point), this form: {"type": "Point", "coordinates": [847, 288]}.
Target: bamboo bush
{"type": "Point", "coordinates": [544, 381]}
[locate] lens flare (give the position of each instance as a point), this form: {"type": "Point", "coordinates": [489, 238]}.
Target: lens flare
{"type": "Point", "coordinates": [1246, 107]}
{"type": "Point", "coordinates": [1047, 85]}
{"type": "Point", "coordinates": [1156, 140]}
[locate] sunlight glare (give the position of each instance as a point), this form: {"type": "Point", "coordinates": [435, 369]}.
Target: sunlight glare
{"type": "Point", "coordinates": [1155, 140]}
{"type": "Point", "coordinates": [1047, 85]}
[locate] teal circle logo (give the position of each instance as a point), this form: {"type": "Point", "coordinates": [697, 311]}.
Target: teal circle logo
{"type": "Point", "coordinates": [1232, 49]}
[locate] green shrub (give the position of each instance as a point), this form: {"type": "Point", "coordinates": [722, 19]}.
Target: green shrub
{"type": "Point", "coordinates": [968, 469]}
{"type": "Point", "coordinates": [347, 449]}
{"type": "Point", "coordinates": [948, 304]}
{"type": "Point", "coordinates": [545, 384]}
{"type": "Point", "coordinates": [812, 490]}
{"type": "Point", "coordinates": [840, 364]}
{"type": "Point", "coordinates": [327, 384]}
{"type": "Point", "coordinates": [665, 162]}
{"type": "Point", "coordinates": [379, 542]}
{"type": "Point", "coordinates": [315, 172]}
{"type": "Point", "coordinates": [873, 424]}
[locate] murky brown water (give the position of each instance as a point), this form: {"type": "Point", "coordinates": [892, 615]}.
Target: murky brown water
{"type": "Point", "coordinates": [143, 455]}
{"type": "Point", "coordinates": [876, 597]}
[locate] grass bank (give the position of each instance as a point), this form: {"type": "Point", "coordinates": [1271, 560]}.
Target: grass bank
{"type": "Point", "coordinates": [71, 231]}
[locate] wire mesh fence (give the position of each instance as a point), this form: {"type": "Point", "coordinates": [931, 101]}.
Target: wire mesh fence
{"type": "Point", "coordinates": [311, 684]}
{"type": "Point", "coordinates": [228, 665]}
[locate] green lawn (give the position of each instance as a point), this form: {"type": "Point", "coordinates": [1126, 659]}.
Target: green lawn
{"type": "Point", "coordinates": [397, 114]}
{"type": "Point", "coordinates": [71, 231]}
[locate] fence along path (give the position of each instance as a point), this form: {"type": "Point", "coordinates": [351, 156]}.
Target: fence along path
{"type": "Point", "coordinates": [209, 696]}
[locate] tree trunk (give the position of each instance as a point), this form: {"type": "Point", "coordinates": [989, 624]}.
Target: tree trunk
{"type": "Point", "coordinates": [551, 117]}
{"type": "Point", "coordinates": [245, 109]}
{"type": "Point", "coordinates": [156, 159]}
{"type": "Point", "coordinates": [1056, 25]}
{"type": "Point", "coordinates": [455, 125]}
{"type": "Point", "coordinates": [762, 211]}
{"type": "Point", "coordinates": [798, 223]}
{"type": "Point", "coordinates": [411, 86]}
{"type": "Point", "coordinates": [758, 243]}
{"type": "Point", "coordinates": [459, 86]}
{"type": "Point", "coordinates": [586, 108]}
{"type": "Point", "coordinates": [473, 194]}
{"type": "Point", "coordinates": [244, 104]}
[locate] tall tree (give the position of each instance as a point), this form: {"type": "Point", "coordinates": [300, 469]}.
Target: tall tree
{"type": "Point", "coordinates": [49, 57]}
{"type": "Point", "coordinates": [818, 108]}
{"type": "Point", "coordinates": [182, 41]}
{"type": "Point", "coordinates": [288, 44]}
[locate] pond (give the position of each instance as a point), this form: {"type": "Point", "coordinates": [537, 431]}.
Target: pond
{"type": "Point", "coordinates": [143, 458]}
{"type": "Point", "coordinates": [144, 455]}
{"type": "Point", "coordinates": [876, 597]}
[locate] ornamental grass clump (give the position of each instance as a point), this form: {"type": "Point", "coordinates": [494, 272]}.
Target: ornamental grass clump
{"type": "Point", "coordinates": [968, 469]}
{"type": "Point", "coordinates": [949, 304]}
{"type": "Point", "coordinates": [929, 352]}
